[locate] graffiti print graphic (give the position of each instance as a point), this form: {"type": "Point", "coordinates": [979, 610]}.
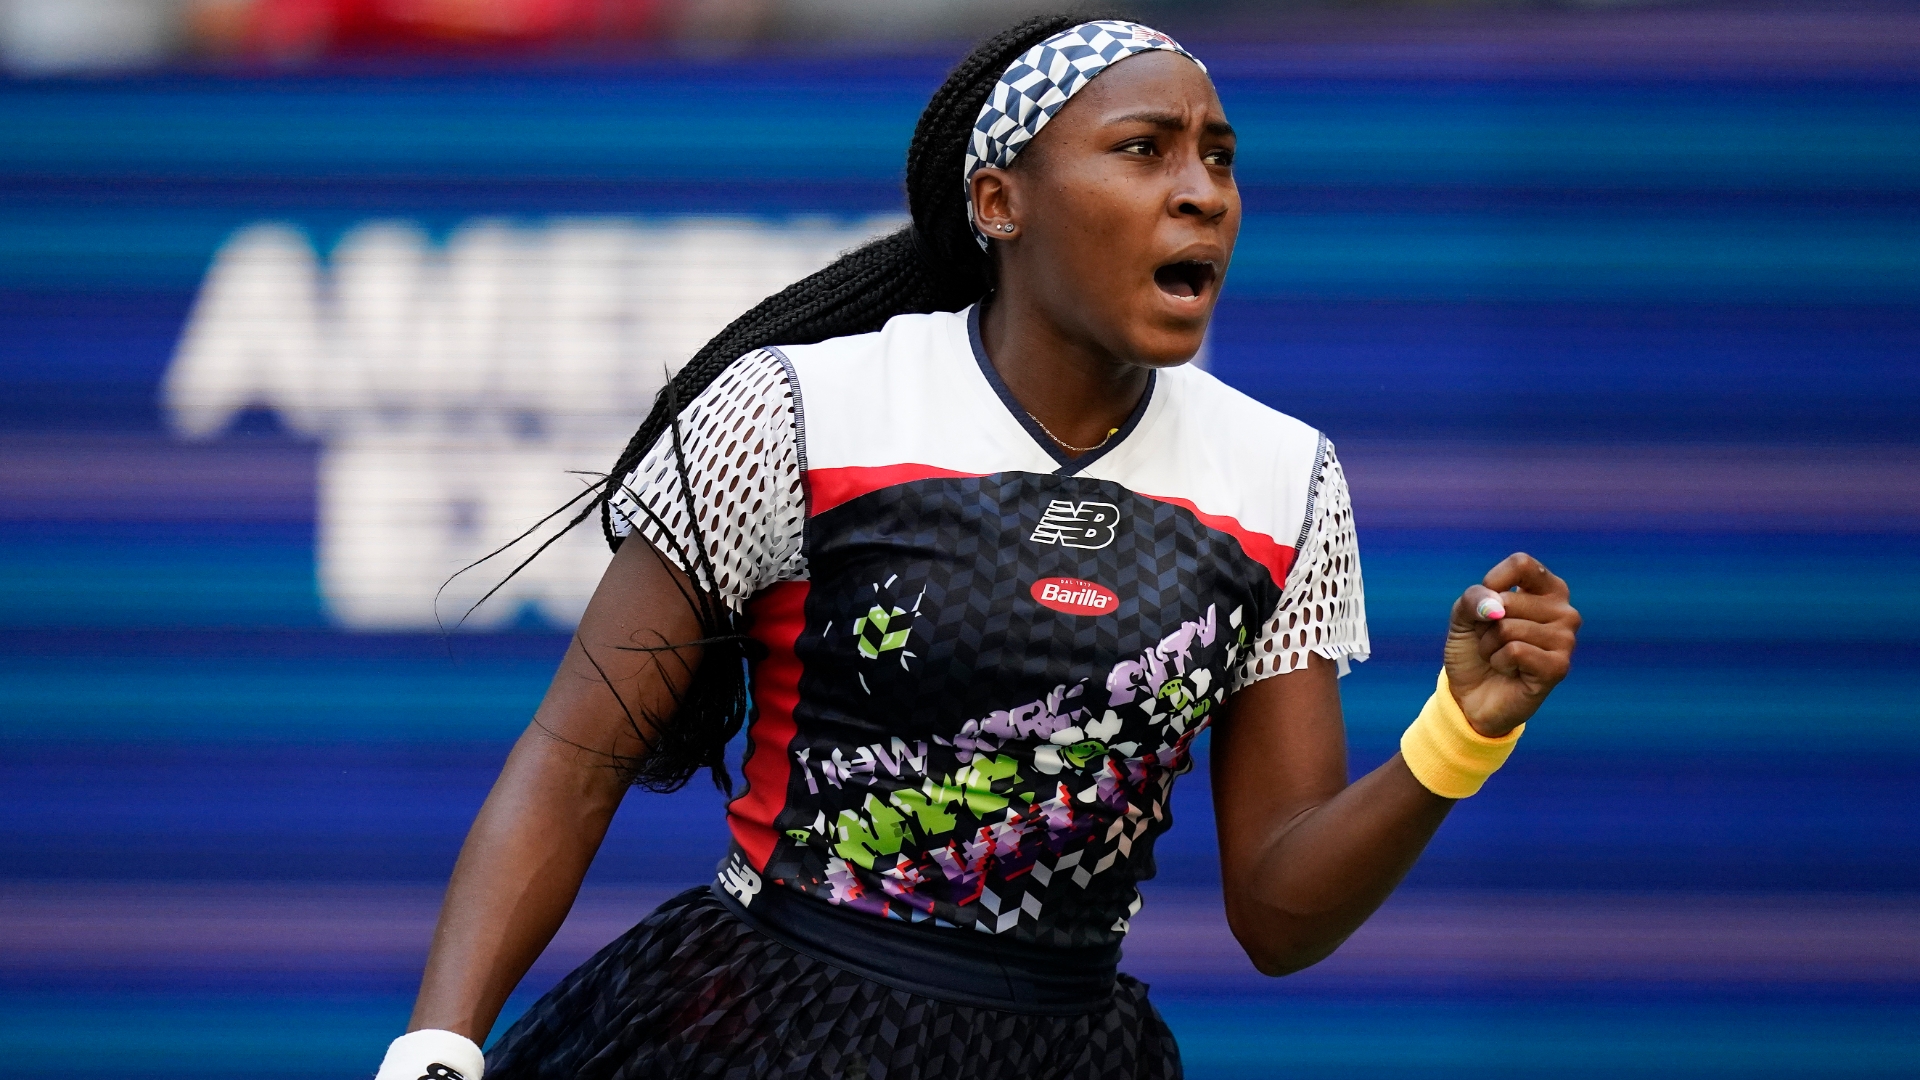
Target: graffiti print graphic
{"type": "Point", "coordinates": [1086, 525]}
{"type": "Point", "coordinates": [885, 629]}
{"type": "Point", "coordinates": [1004, 765]}
{"type": "Point", "coordinates": [976, 827]}
{"type": "Point", "coordinates": [882, 630]}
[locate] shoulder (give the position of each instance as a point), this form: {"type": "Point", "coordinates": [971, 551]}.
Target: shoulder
{"type": "Point", "coordinates": [917, 335]}
{"type": "Point", "coordinates": [1242, 466]}
{"type": "Point", "coordinates": [1212, 438]}
{"type": "Point", "coordinates": [909, 391]}
{"type": "Point", "coordinates": [1237, 428]}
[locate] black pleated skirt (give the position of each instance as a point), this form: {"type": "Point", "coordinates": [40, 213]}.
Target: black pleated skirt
{"type": "Point", "coordinates": [694, 991]}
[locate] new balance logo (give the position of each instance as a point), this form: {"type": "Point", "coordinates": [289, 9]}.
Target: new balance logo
{"type": "Point", "coordinates": [1089, 525]}
{"type": "Point", "coordinates": [739, 879]}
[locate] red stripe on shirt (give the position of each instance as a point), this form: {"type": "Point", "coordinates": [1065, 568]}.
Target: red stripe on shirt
{"type": "Point", "coordinates": [776, 618]}
{"type": "Point", "coordinates": [828, 488]}
{"type": "Point", "coordinates": [1261, 548]}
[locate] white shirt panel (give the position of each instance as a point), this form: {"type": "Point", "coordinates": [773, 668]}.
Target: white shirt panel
{"type": "Point", "coordinates": [1227, 454]}
{"type": "Point", "coordinates": [911, 394]}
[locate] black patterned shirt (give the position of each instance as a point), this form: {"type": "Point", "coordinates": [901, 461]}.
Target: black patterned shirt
{"type": "Point", "coordinates": [987, 661]}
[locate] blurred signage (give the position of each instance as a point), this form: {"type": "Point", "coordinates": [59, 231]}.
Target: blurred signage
{"type": "Point", "coordinates": [460, 392]}
{"type": "Point", "coordinates": [294, 28]}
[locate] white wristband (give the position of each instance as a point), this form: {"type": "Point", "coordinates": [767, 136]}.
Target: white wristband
{"type": "Point", "coordinates": [432, 1054]}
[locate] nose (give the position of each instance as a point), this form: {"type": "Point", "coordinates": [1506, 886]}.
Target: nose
{"type": "Point", "coordinates": [1197, 192]}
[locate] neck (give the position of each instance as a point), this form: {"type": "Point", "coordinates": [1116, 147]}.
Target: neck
{"type": "Point", "coordinates": [1073, 387]}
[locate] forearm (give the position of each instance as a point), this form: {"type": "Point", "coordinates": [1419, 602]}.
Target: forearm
{"type": "Point", "coordinates": [1310, 885]}
{"type": "Point", "coordinates": [516, 879]}
{"type": "Point", "coordinates": [1305, 856]}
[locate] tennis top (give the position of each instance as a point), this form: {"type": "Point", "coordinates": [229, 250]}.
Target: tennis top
{"type": "Point", "coordinates": [986, 662]}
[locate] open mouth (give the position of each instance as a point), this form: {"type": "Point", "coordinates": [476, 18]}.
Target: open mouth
{"type": "Point", "coordinates": [1186, 280]}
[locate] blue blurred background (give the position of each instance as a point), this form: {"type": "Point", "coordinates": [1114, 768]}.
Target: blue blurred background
{"type": "Point", "coordinates": [1634, 288]}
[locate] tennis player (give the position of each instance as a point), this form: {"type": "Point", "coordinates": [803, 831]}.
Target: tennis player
{"type": "Point", "coordinates": [979, 555]}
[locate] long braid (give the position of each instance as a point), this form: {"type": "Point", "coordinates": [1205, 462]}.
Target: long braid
{"type": "Point", "coordinates": [858, 293]}
{"type": "Point", "coordinates": [932, 265]}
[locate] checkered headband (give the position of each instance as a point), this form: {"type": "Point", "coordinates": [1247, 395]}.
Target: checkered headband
{"type": "Point", "coordinates": [1036, 85]}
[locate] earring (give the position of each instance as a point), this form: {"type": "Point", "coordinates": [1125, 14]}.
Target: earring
{"type": "Point", "coordinates": [1008, 227]}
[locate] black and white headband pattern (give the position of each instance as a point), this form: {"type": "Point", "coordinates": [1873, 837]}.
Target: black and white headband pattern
{"type": "Point", "coordinates": [1036, 85]}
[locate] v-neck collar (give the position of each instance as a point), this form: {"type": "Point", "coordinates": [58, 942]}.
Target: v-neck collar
{"type": "Point", "coordinates": [1068, 465]}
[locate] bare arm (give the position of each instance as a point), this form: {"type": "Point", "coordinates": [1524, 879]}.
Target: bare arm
{"type": "Point", "coordinates": [530, 846]}
{"type": "Point", "coordinates": [1305, 856]}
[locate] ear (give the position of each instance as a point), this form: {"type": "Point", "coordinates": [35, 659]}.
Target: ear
{"type": "Point", "coordinates": [996, 202]}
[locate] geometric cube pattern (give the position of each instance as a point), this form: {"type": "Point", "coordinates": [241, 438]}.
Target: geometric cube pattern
{"type": "Point", "coordinates": [694, 992]}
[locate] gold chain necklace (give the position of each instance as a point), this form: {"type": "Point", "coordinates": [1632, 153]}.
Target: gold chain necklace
{"type": "Point", "coordinates": [1065, 445]}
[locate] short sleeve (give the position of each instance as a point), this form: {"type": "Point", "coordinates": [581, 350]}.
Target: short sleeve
{"type": "Point", "coordinates": [1323, 606]}
{"type": "Point", "coordinates": [740, 448]}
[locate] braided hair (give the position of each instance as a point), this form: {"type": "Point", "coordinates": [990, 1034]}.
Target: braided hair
{"type": "Point", "coordinates": [933, 264]}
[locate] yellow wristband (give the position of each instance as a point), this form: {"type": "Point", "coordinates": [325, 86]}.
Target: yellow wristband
{"type": "Point", "coordinates": [1446, 755]}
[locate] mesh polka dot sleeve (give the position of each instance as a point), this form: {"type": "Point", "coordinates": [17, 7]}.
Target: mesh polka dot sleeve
{"type": "Point", "coordinates": [741, 445]}
{"type": "Point", "coordinates": [1323, 609]}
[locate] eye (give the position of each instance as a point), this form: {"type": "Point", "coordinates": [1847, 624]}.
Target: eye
{"type": "Point", "coordinates": [1142, 147]}
{"type": "Point", "coordinates": [1222, 157]}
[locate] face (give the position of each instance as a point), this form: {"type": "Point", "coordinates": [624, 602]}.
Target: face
{"type": "Point", "coordinates": [1124, 211]}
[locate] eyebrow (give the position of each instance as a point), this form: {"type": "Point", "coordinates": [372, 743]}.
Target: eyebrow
{"type": "Point", "coordinates": [1172, 122]}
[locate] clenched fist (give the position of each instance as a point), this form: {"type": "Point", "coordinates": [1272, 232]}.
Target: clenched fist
{"type": "Point", "coordinates": [1502, 668]}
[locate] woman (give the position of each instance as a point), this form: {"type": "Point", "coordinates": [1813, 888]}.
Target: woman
{"type": "Point", "coordinates": [996, 558]}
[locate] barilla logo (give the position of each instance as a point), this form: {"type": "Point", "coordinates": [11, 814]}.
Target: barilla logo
{"type": "Point", "coordinates": [1075, 597]}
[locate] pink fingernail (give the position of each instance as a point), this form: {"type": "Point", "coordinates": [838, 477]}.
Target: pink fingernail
{"type": "Point", "coordinates": [1490, 608]}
